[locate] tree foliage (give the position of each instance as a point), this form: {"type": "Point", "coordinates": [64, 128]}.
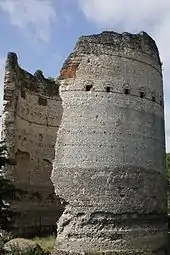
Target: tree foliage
{"type": "Point", "coordinates": [7, 190]}
{"type": "Point", "coordinates": [38, 72]}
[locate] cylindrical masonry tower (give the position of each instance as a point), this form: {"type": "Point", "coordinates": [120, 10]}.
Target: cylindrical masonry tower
{"type": "Point", "coordinates": [110, 153]}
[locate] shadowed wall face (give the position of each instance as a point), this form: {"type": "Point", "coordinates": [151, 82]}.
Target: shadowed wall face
{"type": "Point", "coordinates": [110, 151]}
{"type": "Point", "coordinates": [31, 117]}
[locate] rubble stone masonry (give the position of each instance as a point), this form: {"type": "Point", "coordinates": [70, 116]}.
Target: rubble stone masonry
{"type": "Point", "coordinates": [109, 163]}
{"type": "Point", "coordinates": [103, 141]}
{"type": "Point", "coordinates": [31, 116]}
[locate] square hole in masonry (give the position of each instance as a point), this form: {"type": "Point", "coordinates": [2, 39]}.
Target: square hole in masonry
{"type": "Point", "coordinates": [89, 87]}
{"type": "Point", "coordinates": [108, 89]}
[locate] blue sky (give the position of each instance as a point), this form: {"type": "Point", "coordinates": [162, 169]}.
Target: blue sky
{"type": "Point", "coordinates": [44, 32]}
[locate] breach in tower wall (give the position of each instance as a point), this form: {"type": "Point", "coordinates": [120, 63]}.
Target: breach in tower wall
{"type": "Point", "coordinates": [31, 116]}
{"type": "Point", "coordinates": [110, 151]}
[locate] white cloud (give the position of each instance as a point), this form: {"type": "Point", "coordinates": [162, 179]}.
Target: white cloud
{"type": "Point", "coordinates": [34, 17]}
{"type": "Point", "coordinates": [120, 14]}
{"type": "Point", "coordinates": [152, 16]}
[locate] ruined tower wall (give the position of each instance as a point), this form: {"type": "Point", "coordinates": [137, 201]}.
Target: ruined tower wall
{"type": "Point", "coordinates": [110, 150]}
{"type": "Point", "coordinates": [36, 110]}
{"type": "Point", "coordinates": [9, 105]}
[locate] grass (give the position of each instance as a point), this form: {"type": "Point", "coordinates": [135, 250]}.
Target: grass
{"type": "Point", "coordinates": [47, 243]}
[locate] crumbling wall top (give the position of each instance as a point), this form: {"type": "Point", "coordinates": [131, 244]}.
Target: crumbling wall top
{"type": "Point", "coordinates": [137, 47]}
{"type": "Point", "coordinates": [12, 60]}
{"type": "Point", "coordinates": [140, 42]}
{"type": "Point", "coordinates": [23, 79]}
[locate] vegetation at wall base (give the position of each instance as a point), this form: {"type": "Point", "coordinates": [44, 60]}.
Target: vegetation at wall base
{"type": "Point", "coordinates": [47, 243]}
{"type": "Point", "coordinates": [7, 190]}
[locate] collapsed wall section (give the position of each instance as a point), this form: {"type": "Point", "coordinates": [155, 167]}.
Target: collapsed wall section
{"type": "Point", "coordinates": [31, 117]}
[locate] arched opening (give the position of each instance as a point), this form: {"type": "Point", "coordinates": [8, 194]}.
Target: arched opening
{"type": "Point", "coordinates": [126, 89]}
{"type": "Point", "coordinates": [42, 101]}
{"type": "Point", "coordinates": [142, 93]}
{"type": "Point", "coordinates": [153, 98]}
{"type": "Point", "coordinates": [89, 87]}
{"type": "Point", "coordinates": [108, 86]}
{"type": "Point", "coordinates": [108, 89]}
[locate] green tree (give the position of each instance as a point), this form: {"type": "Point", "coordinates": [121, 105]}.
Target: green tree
{"type": "Point", "coordinates": [38, 72]}
{"type": "Point", "coordinates": [7, 190]}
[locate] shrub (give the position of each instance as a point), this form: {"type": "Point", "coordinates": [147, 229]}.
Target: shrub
{"type": "Point", "coordinates": [38, 72]}
{"type": "Point", "coordinates": [7, 190]}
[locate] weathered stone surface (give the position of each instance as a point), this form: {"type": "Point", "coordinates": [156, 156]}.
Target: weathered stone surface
{"type": "Point", "coordinates": [110, 152]}
{"type": "Point", "coordinates": [31, 117]}
{"type": "Point", "coordinates": [22, 245]}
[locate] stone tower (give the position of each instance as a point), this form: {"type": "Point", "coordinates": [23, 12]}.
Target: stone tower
{"type": "Point", "coordinates": [109, 165]}
{"type": "Point", "coordinates": [31, 116]}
